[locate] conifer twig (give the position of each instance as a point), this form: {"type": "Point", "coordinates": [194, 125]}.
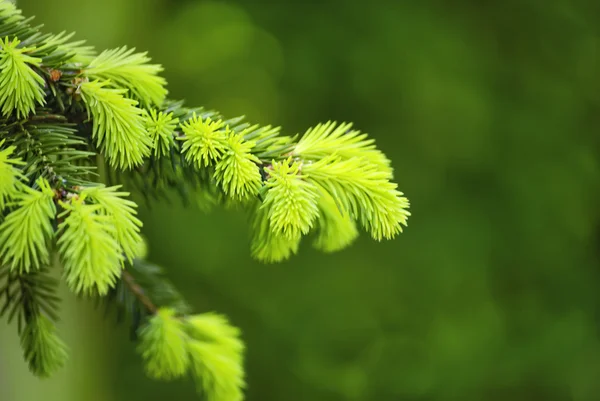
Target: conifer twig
{"type": "Point", "coordinates": [138, 292]}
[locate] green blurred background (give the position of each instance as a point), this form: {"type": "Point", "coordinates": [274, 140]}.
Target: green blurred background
{"type": "Point", "coordinates": [489, 111]}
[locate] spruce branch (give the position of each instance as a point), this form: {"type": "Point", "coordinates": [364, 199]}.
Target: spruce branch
{"type": "Point", "coordinates": [118, 124]}
{"type": "Point", "coordinates": [26, 230]}
{"type": "Point", "coordinates": [81, 131]}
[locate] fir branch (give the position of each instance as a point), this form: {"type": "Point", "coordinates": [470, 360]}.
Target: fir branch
{"type": "Point", "coordinates": [204, 140]}
{"type": "Point", "coordinates": [10, 176]}
{"type": "Point", "coordinates": [330, 138]}
{"type": "Point", "coordinates": [22, 87]}
{"type": "Point", "coordinates": [163, 346]}
{"type": "Point", "coordinates": [53, 151]}
{"type": "Point", "coordinates": [25, 232]}
{"type": "Point", "coordinates": [266, 245]}
{"type": "Point", "coordinates": [237, 171]}
{"type": "Point", "coordinates": [291, 201]}
{"type": "Point", "coordinates": [43, 350]}
{"type": "Point", "coordinates": [126, 69]}
{"type": "Point", "coordinates": [23, 295]}
{"type": "Point", "coordinates": [336, 228]}
{"type": "Point", "coordinates": [113, 107]}
{"type": "Point", "coordinates": [122, 213]}
{"type": "Point", "coordinates": [141, 291]}
{"type": "Point", "coordinates": [118, 124]}
{"type": "Point", "coordinates": [88, 248]}
{"type": "Point", "coordinates": [161, 128]}
{"type": "Point", "coordinates": [364, 191]}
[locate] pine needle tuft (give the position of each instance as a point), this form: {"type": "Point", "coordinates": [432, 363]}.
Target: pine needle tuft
{"type": "Point", "coordinates": [22, 87]}
{"type": "Point", "coordinates": [163, 346]}
{"type": "Point", "coordinates": [118, 125]}
{"type": "Point", "coordinates": [25, 233]}
{"type": "Point", "coordinates": [88, 247]}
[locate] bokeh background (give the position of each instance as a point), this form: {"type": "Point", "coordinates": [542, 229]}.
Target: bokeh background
{"type": "Point", "coordinates": [490, 113]}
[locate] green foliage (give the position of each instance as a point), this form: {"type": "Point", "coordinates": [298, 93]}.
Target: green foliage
{"type": "Point", "coordinates": [27, 295]}
{"type": "Point", "coordinates": [329, 138]}
{"type": "Point", "coordinates": [26, 230]}
{"type": "Point", "coordinates": [337, 230]}
{"type": "Point", "coordinates": [53, 150]}
{"type": "Point", "coordinates": [161, 128]}
{"type": "Point", "coordinates": [126, 69]}
{"type": "Point", "coordinates": [22, 87]}
{"type": "Point", "coordinates": [216, 353]}
{"type": "Point", "coordinates": [267, 246]}
{"type": "Point", "coordinates": [204, 142]}
{"type": "Point", "coordinates": [119, 128]}
{"type": "Point", "coordinates": [9, 174]}
{"type": "Point", "coordinates": [121, 212]}
{"type": "Point", "coordinates": [44, 350]}
{"type": "Point", "coordinates": [291, 200]}
{"type": "Point", "coordinates": [80, 132]}
{"type": "Point", "coordinates": [237, 171]}
{"type": "Point", "coordinates": [171, 344]}
{"type": "Point", "coordinates": [363, 191]}
{"type": "Point", "coordinates": [88, 247]}
{"type": "Point", "coordinates": [163, 346]}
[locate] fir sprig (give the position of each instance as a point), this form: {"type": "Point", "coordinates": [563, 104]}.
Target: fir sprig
{"type": "Point", "coordinates": [326, 139]}
{"type": "Point", "coordinates": [204, 140]}
{"type": "Point", "coordinates": [237, 171]}
{"type": "Point", "coordinates": [80, 131]}
{"type": "Point", "coordinates": [45, 352]}
{"type": "Point", "coordinates": [126, 69]}
{"type": "Point", "coordinates": [163, 346]}
{"type": "Point", "coordinates": [26, 230]}
{"type": "Point", "coordinates": [118, 124]}
{"type": "Point", "coordinates": [161, 128]}
{"type": "Point", "coordinates": [291, 200]}
{"type": "Point", "coordinates": [10, 175]}
{"type": "Point", "coordinates": [364, 191]}
{"type": "Point", "coordinates": [22, 87]}
{"type": "Point", "coordinates": [88, 247]}
{"type": "Point", "coordinates": [266, 245]}
{"type": "Point", "coordinates": [122, 213]}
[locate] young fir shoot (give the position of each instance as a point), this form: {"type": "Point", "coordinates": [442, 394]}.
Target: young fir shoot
{"type": "Point", "coordinates": [65, 108]}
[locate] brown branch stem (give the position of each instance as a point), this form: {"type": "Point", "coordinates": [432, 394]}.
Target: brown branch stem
{"type": "Point", "coordinates": [138, 292]}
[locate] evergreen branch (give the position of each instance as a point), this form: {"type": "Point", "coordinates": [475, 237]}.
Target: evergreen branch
{"type": "Point", "coordinates": [13, 23]}
{"type": "Point", "coordinates": [112, 108]}
{"type": "Point", "coordinates": [118, 125]}
{"type": "Point", "coordinates": [122, 213]}
{"type": "Point", "coordinates": [43, 350]}
{"type": "Point", "coordinates": [364, 191]}
{"type": "Point", "coordinates": [88, 247]}
{"type": "Point", "coordinates": [291, 201]}
{"type": "Point", "coordinates": [204, 141]}
{"type": "Point", "coordinates": [163, 346]}
{"type": "Point", "coordinates": [22, 86]}
{"type": "Point", "coordinates": [237, 171]}
{"type": "Point", "coordinates": [53, 150]}
{"type": "Point", "coordinates": [32, 299]}
{"type": "Point", "coordinates": [25, 232]}
{"type": "Point", "coordinates": [126, 69]}
{"type": "Point", "coordinates": [10, 176]}
{"type": "Point", "coordinates": [326, 139]}
{"type": "Point", "coordinates": [23, 295]}
{"type": "Point", "coordinates": [161, 128]}
{"type": "Point", "coordinates": [336, 229]}
{"type": "Point", "coordinates": [205, 344]}
{"type": "Point", "coordinates": [267, 246]}
{"type": "Point", "coordinates": [141, 291]}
